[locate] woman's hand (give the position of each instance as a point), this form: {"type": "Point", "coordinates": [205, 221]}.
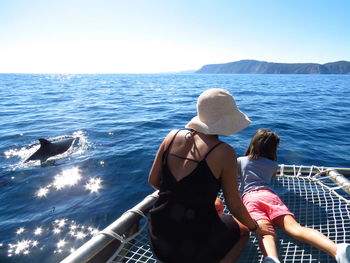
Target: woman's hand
{"type": "Point", "coordinates": [265, 229]}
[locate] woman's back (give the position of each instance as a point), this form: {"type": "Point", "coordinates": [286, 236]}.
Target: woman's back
{"type": "Point", "coordinates": [189, 148]}
{"type": "Point", "coordinates": [184, 217]}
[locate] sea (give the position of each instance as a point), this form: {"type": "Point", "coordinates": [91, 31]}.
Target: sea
{"type": "Point", "coordinates": [47, 210]}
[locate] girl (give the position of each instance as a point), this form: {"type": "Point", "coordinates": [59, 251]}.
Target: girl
{"type": "Point", "coordinates": [257, 168]}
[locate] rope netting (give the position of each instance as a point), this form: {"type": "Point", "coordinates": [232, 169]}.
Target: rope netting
{"type": "Point", "coordinates": [314, 198]}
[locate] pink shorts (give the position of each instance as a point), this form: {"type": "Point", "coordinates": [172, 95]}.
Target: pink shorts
{"type": "Point", "coordinates": [263, 204]}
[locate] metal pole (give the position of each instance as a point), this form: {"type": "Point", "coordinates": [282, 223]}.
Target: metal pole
{"type": "Point", "coordinates": [97, 243]}
{"type": "Point", "coordinates": [339, 179]}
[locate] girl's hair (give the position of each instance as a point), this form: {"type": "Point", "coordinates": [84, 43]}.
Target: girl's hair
{"type": "Point", "coordinates": [263, 144]}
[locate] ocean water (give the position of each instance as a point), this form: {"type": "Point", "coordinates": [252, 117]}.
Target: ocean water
{"type": "Point", "coordinates": [118, 122]}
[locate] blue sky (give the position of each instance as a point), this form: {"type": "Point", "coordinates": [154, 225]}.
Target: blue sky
{"type": "Point", "coordinates": [151, 36]}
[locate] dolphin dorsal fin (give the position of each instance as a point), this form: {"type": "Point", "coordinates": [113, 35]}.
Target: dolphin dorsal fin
{"type": "Point", "coordinates": [44, 142]}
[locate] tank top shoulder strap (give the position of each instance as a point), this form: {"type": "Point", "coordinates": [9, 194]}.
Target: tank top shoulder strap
{"type": "Point", "coordinates": [172, 140]}
{"type": "Point", "coordinates": [167, 150]}
{"type": "Point", "coordinates": [216, 145]}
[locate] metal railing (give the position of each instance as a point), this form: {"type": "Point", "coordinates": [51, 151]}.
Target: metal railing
{"type": "Point", "coordinates": [100, 247]}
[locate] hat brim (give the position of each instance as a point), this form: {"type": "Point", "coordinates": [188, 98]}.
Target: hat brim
{"type": "Point", "coordinates": [226, 125]}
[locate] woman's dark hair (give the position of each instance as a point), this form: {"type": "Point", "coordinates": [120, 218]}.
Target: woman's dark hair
{"type": "Point", "coordinates": [263, 144]}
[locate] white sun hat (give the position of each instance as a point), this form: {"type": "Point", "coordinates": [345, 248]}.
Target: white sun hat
{"type": "Point", "coordinates": [217, 114]}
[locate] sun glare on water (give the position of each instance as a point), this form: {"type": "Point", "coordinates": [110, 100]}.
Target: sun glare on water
{"type": "Point", "coordinates": [38, 231]}
{"type": "Point", "coordinates": [42, 192]}
{"type": "Point", "coordinates": [65, 234]}
{"type": "Point", "coordinates": [94, 184]}
{"type": "Point", "coordinates": [67, 178]}
{"type": "Point", "coordinates": [70, 178]}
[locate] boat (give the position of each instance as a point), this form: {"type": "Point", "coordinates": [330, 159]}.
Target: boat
{"type": "Point", "coordinates": [319, 197]}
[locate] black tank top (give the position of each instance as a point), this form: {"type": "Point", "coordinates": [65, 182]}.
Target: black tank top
{"type": "Point", "coordinates": [184, 224]}
{"type": "Point", "coordinates": [184, 188]}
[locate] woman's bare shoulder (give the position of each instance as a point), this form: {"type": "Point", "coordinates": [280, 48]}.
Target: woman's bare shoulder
{"type": "Point", "coordinates": [168, 138]}
{"type": "Point", "coordinates": [223, 153]}
{"type": "Point", "coordinates": [172, 133]}
{"type": "Point", "coordinates": [221, 159]}
{"type": "Point", "coordinates": [227, 149]}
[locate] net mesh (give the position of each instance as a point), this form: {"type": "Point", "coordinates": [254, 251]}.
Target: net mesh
{"type": "Point", "coordinates": [316, 201]}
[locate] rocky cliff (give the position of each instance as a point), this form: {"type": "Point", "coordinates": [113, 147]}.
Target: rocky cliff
{"type": "Point", "coordinates": [262, 67]}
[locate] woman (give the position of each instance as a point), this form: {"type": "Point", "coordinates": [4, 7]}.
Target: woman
{"type": "Point", "coordinates": [256, 170]}
{"type": "Point", "coordinates": [190, 168]}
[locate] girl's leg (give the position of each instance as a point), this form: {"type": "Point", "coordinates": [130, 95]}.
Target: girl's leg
{"type": "Point", "coordinates": [234, 254]}
{"type": "Point", "coordinates": [306, 235]}
{"type": "Point", "coordinates": [267, 243]}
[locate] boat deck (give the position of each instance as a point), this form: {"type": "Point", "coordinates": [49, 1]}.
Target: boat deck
{"type": "Point", "coordinates": [319, 199]}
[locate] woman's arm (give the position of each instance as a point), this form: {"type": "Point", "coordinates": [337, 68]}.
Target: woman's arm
{"type": "Point", "coordinates": [156, 170]}
{"type": "Point", "coordinates": [232, 196]}
{"type": "Point", "coordinates": [230, 188]}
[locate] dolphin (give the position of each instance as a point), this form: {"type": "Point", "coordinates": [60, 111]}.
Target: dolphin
{"type": "Point", "coordinates": [48, 149]}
